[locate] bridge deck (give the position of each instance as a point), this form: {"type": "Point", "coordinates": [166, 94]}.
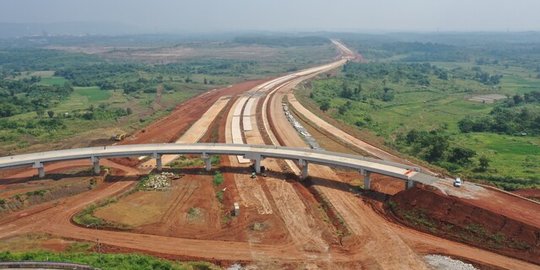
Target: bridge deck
{"type": "Point", "coordinates": [255, 152]}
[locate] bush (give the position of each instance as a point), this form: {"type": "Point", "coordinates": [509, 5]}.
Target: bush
{"type": "Point", "coordinates": [218, 179]}
{"type": "Point", "coordinates": [219, 196]}
{"type": "Point", "coordinates": [325, 105]}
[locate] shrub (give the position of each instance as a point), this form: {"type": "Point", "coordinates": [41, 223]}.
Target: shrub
{"type": "Point", "coordinates": [218, 179]}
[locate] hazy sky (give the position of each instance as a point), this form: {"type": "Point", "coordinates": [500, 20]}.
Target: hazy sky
{"type": "Point", "coordinates": [294, 15]}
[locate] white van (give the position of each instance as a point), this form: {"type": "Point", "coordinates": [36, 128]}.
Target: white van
{"type": "Point", "coordinates": [458, 182]}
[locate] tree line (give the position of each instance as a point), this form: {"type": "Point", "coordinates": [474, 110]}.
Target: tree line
{"type": "Point", "coordinates": [514, 116]}
{"type": "Point", "coordinates": [434, 146]}
{"type": "Point", "coordinates": [26, 95]}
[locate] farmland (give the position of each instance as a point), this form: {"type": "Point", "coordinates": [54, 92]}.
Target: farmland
{"type": "Point", "coordinates": [390, 96]}
{"type": "Point", "coordinates": [103, 91]}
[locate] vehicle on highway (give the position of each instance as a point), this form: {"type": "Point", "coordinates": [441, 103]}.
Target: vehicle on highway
{"type": "Point", "coordinates": [457, 182]}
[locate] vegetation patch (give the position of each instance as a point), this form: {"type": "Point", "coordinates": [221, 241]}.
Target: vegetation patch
{"type": "Point", "coordinates": [184, 162]}
{"type": "Point", "coordinates": [87, 218]}
{"type": "Point", "coordinates": [194, 213]}
{"type": "Point", "coordinates": [218, 179]}
{"type": "Point", "coordinates": [422, 110]}
{"type": "Point", "coordinates": [449, 217]}
{"type": "Point", "coordinates": [105, 261]}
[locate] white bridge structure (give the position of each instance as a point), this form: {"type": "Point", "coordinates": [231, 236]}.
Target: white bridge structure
{"type": "Point", "coordinates": [256, 153]}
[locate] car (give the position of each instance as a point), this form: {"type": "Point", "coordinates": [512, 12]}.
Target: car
{"type": "Point", "coordinates": [458, 182]}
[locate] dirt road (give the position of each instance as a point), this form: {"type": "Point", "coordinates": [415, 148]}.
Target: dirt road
{"type": "Point", "coordinates": [386, 250]}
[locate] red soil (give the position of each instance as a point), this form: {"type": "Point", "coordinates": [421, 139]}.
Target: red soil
{"type": "Point", "coordinates": [463, 221]}
{"type": "Point", "coordinates": [530, 193]}
{"type": "Point", "coordinates": [171, 127]}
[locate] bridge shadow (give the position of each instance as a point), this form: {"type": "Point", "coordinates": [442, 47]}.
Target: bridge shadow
{"type": "Point", "coordinates": [312, 182]}
{"type": "Point", "coordinates": [290, 177]}
{"type": "Point", "coordinates": [60, 176]}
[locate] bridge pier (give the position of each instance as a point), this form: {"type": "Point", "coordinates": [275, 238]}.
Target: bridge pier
{"type": "Point", "coordinates": [95, 164]}
{"type": "Point", "coordinates": [304, 166]}
{"type": "Point", "coordinates": [367, 179]}
{"type": "Point", "coordinates": [409, 184]}
{"type": "Point", "coordinates": [40, 168]}
{"type": "Point", "coordinates": [258, 165]}
{"type": "Point", "coordinates": [159, 162]}
{"type": "Point", "coordinates": [207, 162]}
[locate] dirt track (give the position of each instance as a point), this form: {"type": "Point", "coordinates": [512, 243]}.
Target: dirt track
{"type": "Point", "coordinates": [374, 242]}
{"type": "Point", "coordinates": [367, 233]}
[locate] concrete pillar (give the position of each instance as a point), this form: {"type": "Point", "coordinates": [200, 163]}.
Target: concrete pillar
{"type": "Point", "coordinates": [304, 166]}
{"type": "Point", "coordinates": [207, 162]}
{"type": "Point", "coordinates": [367, 179]}
{"type": "Point", "coordinates": [95, 164]}
{"type": "Point", "coordinates": [409, 184]}
{"type": "Point", "coordinates": [258, 164]}
{"type": "Point", "coordinates": [159, 162]}
{"type": "Point", "coordinates": [40, 168]}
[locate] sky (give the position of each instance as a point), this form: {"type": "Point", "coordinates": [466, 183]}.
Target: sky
{"type": "Point", "coordinates": [283, 15]}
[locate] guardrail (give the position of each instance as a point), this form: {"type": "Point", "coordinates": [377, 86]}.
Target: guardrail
{"type": "Point", "coordinates": [45, 265]}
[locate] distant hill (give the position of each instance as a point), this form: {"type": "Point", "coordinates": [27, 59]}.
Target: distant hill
{"type": "Point", "coordinates": [285, 41]}
{"type": "Point", "coordinates": [14, 30]}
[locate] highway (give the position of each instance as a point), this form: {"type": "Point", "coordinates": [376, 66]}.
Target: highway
{"type": "Point", "coordinates": [371, 239]}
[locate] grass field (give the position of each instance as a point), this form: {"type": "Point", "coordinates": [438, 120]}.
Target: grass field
{"type": "Point", "coordinates": [442, 104]}
{"type": "Point", "coordinates": [104, 260]}
{"type": "Point", "coordinates": [91, 114]}
{"type": "Point", "coordinates": [80, 101]}
{"type": "Point", "coordinates": [53, 80]}
{"type": "Point", "coordinates": [92, 93]}
{"type": "Point", "coordinates": [516, 157]}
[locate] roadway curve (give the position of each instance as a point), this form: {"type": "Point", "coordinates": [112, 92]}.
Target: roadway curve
{"type": "Point", "coordinates": [276, 122]}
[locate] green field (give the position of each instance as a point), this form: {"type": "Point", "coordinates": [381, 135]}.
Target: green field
{"type": "Point", "coordinates": [437, 106]}
{"type": "Point", "coordinates": [92, 93]}
{"type": "Point", "coordinates": [54, 80]}
{"type": "Point", "coordinates": [511, 156]}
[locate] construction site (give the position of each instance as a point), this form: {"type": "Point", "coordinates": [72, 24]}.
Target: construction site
{"type": "Point", "coordinates": [224, 210]}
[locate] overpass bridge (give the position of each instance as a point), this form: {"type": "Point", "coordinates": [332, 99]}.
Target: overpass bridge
{"type": "Point", "coordinates": [255, 153]}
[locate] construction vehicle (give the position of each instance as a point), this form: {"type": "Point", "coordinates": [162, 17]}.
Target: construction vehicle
{"type": "Point", "coordinates": [119, 137]}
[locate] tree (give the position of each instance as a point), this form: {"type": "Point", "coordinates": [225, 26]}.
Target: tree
{"type": "Point", "coordinates": [461, 155]}
{"type": "Point", "coordinates": [344, 107]}
{"type": "Point", "coordinates": [484, 163]}
{"type": "Point", "coordinates": [388, 94]}
{"type": "Point", "coordinates": [129, 111]}
{"type": "Point", "coordinates": [437, 147]}
{"type": "Point", "coordinates": [517, 99]}
{"type": "Point", "coordinates": [466, 125]}
{"type": "Point", "coordinates": [50, 114]}
{"type": "Point", "coordinates": [325, 105]}
{"type": "Point", "coordinates": [345, 91]}
{"type": "Point", "coordinates": [40, 112]}
{"type": "Point", "coordinates": [358, 89]}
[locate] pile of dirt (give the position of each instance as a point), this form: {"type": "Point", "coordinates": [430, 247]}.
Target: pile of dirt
{"type": "Point", "coordinates": [427, 209]}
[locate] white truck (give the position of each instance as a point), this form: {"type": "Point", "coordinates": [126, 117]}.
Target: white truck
{"type": "Point", "coordinates": [457, 182]}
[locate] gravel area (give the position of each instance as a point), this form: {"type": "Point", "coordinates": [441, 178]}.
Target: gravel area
{"type": "Point", "coordinates": [438, 262]}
